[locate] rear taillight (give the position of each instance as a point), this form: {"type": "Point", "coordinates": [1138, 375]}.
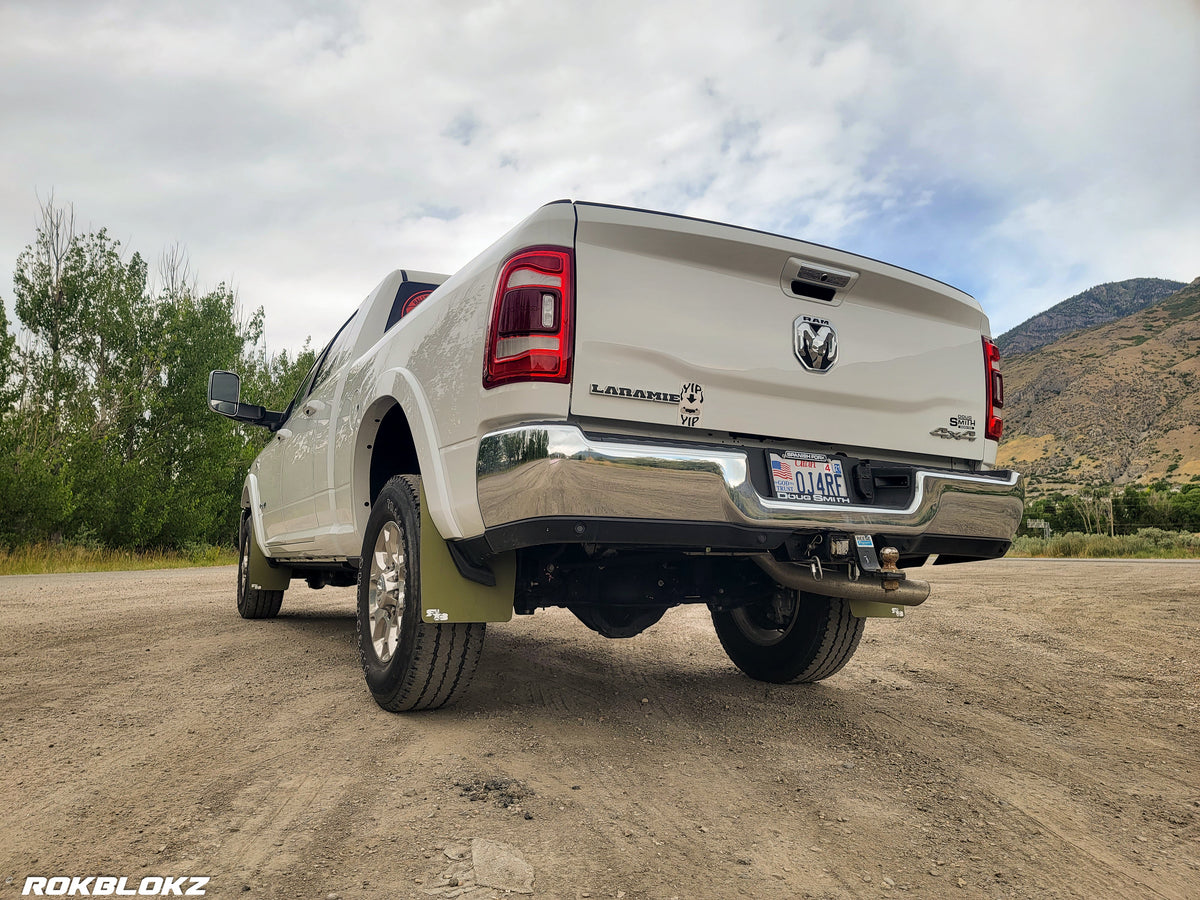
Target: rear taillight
{"type": "Point", "coordinates": [995, 390]}
{"type": "Point", "coordinates": [530, 335]}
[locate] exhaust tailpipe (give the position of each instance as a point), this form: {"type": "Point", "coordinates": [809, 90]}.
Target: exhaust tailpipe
{"type": "Point", "coordinates": [909, 592]}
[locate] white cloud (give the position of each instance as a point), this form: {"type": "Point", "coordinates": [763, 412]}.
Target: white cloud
{"type": "Point", "coordinates": [1022, 150]}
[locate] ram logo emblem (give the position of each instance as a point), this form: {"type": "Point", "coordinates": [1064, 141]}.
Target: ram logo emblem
{"type": "Point", "coordinates": [815, 342]}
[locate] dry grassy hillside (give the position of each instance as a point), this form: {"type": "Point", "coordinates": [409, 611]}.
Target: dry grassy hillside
{"type": "Point", "coordinates": [1116, 403]}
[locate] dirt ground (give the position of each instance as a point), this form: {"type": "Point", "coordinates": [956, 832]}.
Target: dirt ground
{"type": "Point", "coordinates": [1031, 731]}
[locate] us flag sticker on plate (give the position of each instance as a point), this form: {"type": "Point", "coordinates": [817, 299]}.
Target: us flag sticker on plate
{"type": "Point", "coordinates": [782, 473]}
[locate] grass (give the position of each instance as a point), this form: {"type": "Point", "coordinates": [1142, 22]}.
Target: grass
{"type": "Point", "coordinates": [44, 558]}
{"type": "Point", "coordinates": [1146, 543]}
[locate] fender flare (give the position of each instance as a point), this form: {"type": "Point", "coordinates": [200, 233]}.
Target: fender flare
{"type": "Point", "coordinates": [252, 501]}
{"type": "Point", "coordinates": [399, 387]}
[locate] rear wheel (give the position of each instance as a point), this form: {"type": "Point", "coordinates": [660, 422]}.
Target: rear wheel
{"type": "Point", "coordinates": [252, 602]}
{"type": "Point", "coordinates": [409, 664]}
{"type": "Point", "coordinates": [792, 638]}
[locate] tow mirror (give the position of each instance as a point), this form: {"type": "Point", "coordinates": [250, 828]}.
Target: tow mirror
{"type": "Point", "coordinates": [224, 393]}
{"type": "Point", "coordinates": [225, 397]}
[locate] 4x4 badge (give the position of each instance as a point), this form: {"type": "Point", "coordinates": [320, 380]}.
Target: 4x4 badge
{"type": "Point", "coordinates": [815, 343]}
{"type": "Point", "coordinates": [944, 432]}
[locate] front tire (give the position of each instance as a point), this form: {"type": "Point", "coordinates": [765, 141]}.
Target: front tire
{"type": "Point", "coordinates": [409, 664]}
{"type": "Point", "coordinates": [793, 638]}
{"type": "Point", "coordinates": [252, 603]}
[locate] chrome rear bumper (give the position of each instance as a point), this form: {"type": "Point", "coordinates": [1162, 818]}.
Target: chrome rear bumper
{"type": "Point", "coordinates": [555, 471]}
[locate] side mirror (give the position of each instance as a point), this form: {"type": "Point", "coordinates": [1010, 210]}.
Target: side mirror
{"type": "Point", "coordinates": [225, 398]}
{"type": "Point", "coordinates": [224, 392]}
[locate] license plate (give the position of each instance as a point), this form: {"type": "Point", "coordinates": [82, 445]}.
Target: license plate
{"type": "Point", "coordinates": [810, 477]}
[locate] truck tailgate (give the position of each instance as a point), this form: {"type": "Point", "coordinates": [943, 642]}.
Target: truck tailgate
{"type": "Point", "coordinates": [686, 323]}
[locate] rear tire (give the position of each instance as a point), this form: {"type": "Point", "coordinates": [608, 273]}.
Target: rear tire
{"type": "Point", "coordinates": [792, 638]}
{"type": "Point", "coordinates": [252, 603]}
{"type": "Point", "coordinates": [409, 664]}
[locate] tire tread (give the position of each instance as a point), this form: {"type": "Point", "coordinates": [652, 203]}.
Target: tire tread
{"type": "Point", "coordinates": [838, 645]}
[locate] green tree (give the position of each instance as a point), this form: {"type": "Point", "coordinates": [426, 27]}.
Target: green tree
{"type": "Point", "coordinates": [45, 295]}
{"type": "Point", "coordinates": [104, 428]}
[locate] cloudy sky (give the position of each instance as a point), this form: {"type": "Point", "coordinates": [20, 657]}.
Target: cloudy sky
{"type": "Point", "coordinates": [1022, 151]}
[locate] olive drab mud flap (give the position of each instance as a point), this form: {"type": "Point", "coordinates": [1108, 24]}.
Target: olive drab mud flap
{"type": "Point", "coordinates": [261, 574]}
{"type": "Point", "coordinates": [448, 597]}
{"type": "Point", "coordinates": [876, 609]}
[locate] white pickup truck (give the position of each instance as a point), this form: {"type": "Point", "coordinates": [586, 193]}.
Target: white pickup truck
{"type": "Point", "coordinates": [617, 411]}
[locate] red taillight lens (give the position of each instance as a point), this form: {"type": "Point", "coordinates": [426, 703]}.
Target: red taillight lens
{"type": "Point", "coordinates": [995, 390]}
{"type": "Point", "coordinates": [530, 336]}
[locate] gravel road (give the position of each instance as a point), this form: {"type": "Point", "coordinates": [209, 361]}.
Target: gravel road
{"type": "Point", "coordinates": [1031, 731]}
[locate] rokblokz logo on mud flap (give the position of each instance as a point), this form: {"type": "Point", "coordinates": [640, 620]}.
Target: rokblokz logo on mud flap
{"type": "Point", "coordinates": [115, 886]}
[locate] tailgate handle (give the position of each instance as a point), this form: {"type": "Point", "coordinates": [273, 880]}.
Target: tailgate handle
{"type": "Point", "coordinates": [815, 280]}
{"type": "Point", "coordinates": [814, 291]}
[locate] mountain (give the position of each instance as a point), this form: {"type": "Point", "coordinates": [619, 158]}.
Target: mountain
{"type": "Point", "coordinates": [1116, 403]}
{"type": "Point", "coordinates": [1095, 306]}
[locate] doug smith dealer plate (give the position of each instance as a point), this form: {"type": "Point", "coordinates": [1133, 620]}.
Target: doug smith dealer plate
{"type": "Point", "coordinates": [809, 477]}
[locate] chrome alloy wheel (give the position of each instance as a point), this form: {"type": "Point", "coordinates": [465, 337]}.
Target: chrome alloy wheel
{"type": "Point", "coordinates": [385, 597]}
